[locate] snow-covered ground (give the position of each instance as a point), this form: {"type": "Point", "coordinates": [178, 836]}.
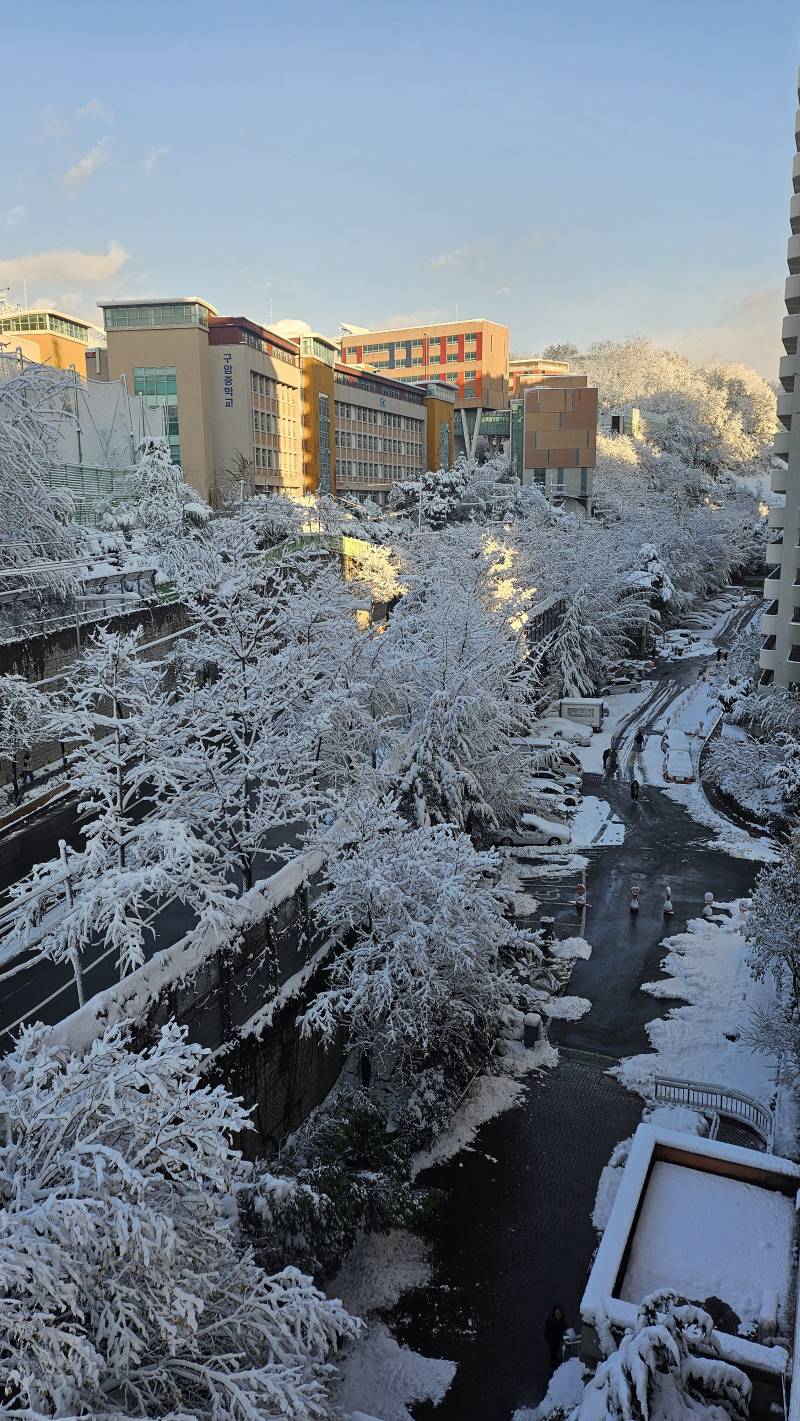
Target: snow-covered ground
{"type": "Point", "coordinates": [596, 823]}
{"type": "Point", "coordinates": [702, 1041]}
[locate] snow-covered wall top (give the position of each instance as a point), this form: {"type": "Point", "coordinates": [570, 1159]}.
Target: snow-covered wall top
{"type": "Point", "coordinates": [601, 1307]}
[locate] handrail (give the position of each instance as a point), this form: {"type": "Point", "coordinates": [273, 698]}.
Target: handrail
{"type": "Point", "coordinates": [733, 1103]}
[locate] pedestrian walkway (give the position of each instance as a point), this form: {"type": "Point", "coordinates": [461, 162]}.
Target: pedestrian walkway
{"type": "Point", "coordinates": [513, 1237]}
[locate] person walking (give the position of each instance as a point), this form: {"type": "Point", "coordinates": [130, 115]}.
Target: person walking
{"type": "Point", "coordinates": [635, 790]}
{"type": "Point", "coordinates": [554, 1330]}
{"type": "Point", "coordinates": [27, 770]}
{"type": "Point", "coordinates": [638, 743]}
{"type": "Point", "coordinates": [613, 762]}
{"type": "Point", "coordinates": [606, 754]}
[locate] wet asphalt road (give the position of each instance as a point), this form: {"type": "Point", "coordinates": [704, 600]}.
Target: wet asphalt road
{"type": "Point", "coordinates": [513, 1234]}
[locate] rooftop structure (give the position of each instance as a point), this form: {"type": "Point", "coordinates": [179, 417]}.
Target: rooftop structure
{"type": "Point", "coordinates": [49, 336]}
{"type": "Point", "coordinates": [715, 1224]}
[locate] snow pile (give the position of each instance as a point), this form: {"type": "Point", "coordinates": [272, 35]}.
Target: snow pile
{"type": "Point", "coordinates": [386, 1379]}
{"type": "Point", "coordinates": [700, 1041]}
{"type": "Point", "coordinates": [595, 823]}
{"type": "Point", "coordinates": [549, 863]}
{"type": "Point", "coordinates": [731, 840]}
{"type": "Point", "coordinates": [566, 1008]}
{"type": "Point", "coordinates": [379, 1269]}
{"type": "Point", "coordinates": [487, 1097]}
{"type": "Point", "coordinates": [570, 947]}
{"type": "Point", "coordinates": [563, 1393]}
{"type": "Point", "coordinates": [706, 1235]}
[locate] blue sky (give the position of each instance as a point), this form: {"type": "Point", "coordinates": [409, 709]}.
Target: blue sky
{"type": "Point", "coordinates": [577, 170]}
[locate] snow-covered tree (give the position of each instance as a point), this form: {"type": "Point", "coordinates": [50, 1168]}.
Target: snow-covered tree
{"type": "Point", "coordinates": [134, 860]}
{"type": "Point", "coordinates": [24, 717]}
{"type": "Point", "coordinates": [772, 930]}
{"type": "Point", "coordinates": [420, 936]}
{"type": "Point", "coordinates": [33, 408]}
{"type": "Point", "coordinates": [664, 1370]}
{"type": "Point", "coordinates": [128, 1289]}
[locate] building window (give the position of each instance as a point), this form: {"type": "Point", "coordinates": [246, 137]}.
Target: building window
{"type": "Point", "coordinates": [166, 314]}
{"type": "Point", "coordinates": [158, 384]}
{"type": "Point", "coordinates": [324, 445]}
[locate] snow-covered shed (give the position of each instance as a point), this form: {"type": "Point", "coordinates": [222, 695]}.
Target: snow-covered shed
{"type": "Point", "coordinates": [716, 1224]}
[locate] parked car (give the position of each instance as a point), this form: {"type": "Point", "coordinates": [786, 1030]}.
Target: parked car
{"type": "Point", "coordinates": [551, 832]}
{"type": "Point", "coordinates": [531, 833]}
{"type": "Point", "coordinates": [678, 766]}
{"type": "Point", "coordinates": [561, 729]}
{"type": "Point", "coordinates": [555, 751]}
{"type": "Point", "coordinates": [559, 793]}
{"type": "Point", "coordinates": [586, 710]}
{"type": "Point", "coordinates": [562, 778]}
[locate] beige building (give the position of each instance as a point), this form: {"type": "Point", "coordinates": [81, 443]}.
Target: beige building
{"type": "Point", "coordinates": [49, 336]}
{"type": "Point", "coordinates": [246, 406]}
{"type": "Point", "coordinates": [780, 654]}
{"type": "Point", "coordinates": [529, 369]}
{"type": "Point", "coordinates": [471, 355]}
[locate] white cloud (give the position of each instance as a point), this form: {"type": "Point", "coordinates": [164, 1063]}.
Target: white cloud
{"type": "Point", "coordinates": [75, 176]}
{"type": "Point", "coordinates": [80, 268]}
{"type": "Point", "coordinates": [432, 316]}
{"type": "Point", "coordinates": [94, 108]}
{"type": "Point", "coordinates": [51, 124]}
{"type": "Point", "coordinates": [153, 157]}
{"type": "Point", "coordinates": [13, 216]}
{"type": "Point", "coordinates": [503, 291]}
{"type": "Point", "coordinates": [290, 327]}
{"type": "Point", "coordinates": [746, 330]}
{"type": "Point", "coordinates": [455, 257]}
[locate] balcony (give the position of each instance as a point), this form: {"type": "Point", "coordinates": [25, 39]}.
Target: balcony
{"type": "Point", "coordinates": [769, 643]}
{"type": "Point", "coordinates": [780, 447]}
{"type": "Point", "coordinates": [787, 369]}
{"type": "Point", "coordinates": [777, 517]}
{"type": "Point", "coordinates": [769, 620]}
{"type": "Point", "coordinates": [796, 172]}
{"type": "Point", "coordinates": [791, 292]}
{"type": "Point", "coordinates": [794, 211]}
{"type": "Point", "coordinates": [778, 480]}
{"type": "Point", "coordinates": [793, 255]}
{"type": "Point", "coordinates": [787, 406]}
{"type": "Point", "coordinates": [774, 552]}
{"type": "Point", "coordinates": [791, 325]}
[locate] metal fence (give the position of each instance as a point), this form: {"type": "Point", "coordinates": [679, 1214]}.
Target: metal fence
{"type": "Point", "coordinates": [730, 1103]}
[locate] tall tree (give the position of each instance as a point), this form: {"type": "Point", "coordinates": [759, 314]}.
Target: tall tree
{"type": "Point", "coordinates": [128, 1290]}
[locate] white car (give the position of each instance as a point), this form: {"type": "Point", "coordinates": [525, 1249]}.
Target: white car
{"type": "Point", "coordinates": [532, 835]}
{"type": "Point", "coordinates": [550, 832]}
{"type": "Point", "coordinates": [559, 793]}
{"type": "Point", "coordinates": [678, 767]}
{"type": "Point", "coordinates": [557, 752]}
{"type": "Point", "coordinates": [561, 729]}
{"type": "Point", "coordinates": [561, 778]}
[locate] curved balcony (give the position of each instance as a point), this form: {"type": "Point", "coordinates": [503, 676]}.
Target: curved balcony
{"type": "Point", "coordinates": [793, 255]}
{"type": "Point", "coordinates": [790, 331]}
{"type": "Point", "coordinates": [767, 659]}
{"type": "Point", "coordinates": [774, 552]}
{"type": "Point", "coordinates": [794, 211]}
{"type": "Point", "coordinates": [791, 292]}
{"type": "Point", "coordinates": [788, 368]}
{"type": "Point", "coordinates": [769, 620]}
{"type": "Point", "coordinates": [796, 172]}
{"type": "Point", "coordinates": [777, 517]}
{"type": "Point", "coordinates": [787, 406]}
{"type": "Point", "coordinates": [780, 447]}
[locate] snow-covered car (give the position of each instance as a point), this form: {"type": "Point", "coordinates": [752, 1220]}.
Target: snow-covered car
{"type": "Point", "coordinates": [678, 767]}
{"type": "Point", "coordinates": [560, 777]}
{"type": "Point", "coordinates": [556, 751]}
{"type": "Point", "coordinates": [551, 832]}
{"type": "Point", "coordinates": [561, 729]}
{"type": "Point", "coordinates": [560, 794]}
{"type": "Point", "coordinates": [674, 738]}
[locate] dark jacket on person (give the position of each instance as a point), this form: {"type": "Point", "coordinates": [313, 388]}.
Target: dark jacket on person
{"type": "Point", "coordinates": [554, 1330]}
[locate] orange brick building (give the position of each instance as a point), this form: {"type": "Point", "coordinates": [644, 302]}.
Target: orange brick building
{"type": "Point", "coordinates": [471, 355]}
{"type": "Point", "coordinates": [560, 435]}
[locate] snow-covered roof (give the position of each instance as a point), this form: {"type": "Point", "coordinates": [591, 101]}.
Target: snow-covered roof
{"type": "Point", "coordinates": [719, 1220]}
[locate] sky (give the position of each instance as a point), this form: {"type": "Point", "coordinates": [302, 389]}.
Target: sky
{"type": "Point", "coordinates": [578, 171]}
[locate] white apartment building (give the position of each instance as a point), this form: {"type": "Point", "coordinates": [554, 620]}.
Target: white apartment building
{"type": "Point", "coordinates": [780, 654]}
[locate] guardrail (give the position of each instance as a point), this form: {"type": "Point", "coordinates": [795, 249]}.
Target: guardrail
{"type": "Point", "coordinates": [730, 1103]}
